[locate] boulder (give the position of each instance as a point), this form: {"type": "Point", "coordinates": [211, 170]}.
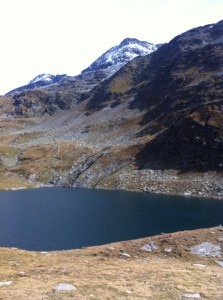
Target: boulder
{"type": "Point", "coordinates": [191, 295]}
{"type": "Point", "coordinates": [151, 246]}
{"type": "Point", "coordinates": [207, 249]}
{"type": "Point", "coordinates": [64, 287]}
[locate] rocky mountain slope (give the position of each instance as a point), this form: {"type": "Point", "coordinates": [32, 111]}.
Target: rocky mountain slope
{"type": "Point", "coordinates": [154, 125]}
{"type": "Point", "coordinates": [179, 88]}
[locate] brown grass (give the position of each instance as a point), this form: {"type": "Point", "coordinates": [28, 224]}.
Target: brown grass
{"type": "Point", "coordinates": [120, 84]}
{"type": "Point", "coordinates": [9, 180]}
{"type": "Point", "coordinates": [103, 273]}
{"type": "Point", "coordinates": [42, 159]}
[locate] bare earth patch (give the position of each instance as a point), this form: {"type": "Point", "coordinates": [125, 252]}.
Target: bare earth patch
{"type": "Point", "coordinates": [117, 271]}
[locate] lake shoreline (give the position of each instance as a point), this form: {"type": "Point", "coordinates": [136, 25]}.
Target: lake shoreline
{"type": "Point", "coordinates": [172, 182]}
{"type": "Point", "coordinates": [168, 182]}
{"type": "Point", "coordinates": [195, 187]}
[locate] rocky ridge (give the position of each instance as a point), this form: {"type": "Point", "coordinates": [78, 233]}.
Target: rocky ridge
{"type": "Point", "coordinates": [37, 82]}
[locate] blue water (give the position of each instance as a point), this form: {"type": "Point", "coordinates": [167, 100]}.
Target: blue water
{"type": "Point", "coordinates": [58, 218]}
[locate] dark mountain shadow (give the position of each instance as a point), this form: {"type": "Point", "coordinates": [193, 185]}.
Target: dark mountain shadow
{"type": "Point", "coordinates": [185, 146]}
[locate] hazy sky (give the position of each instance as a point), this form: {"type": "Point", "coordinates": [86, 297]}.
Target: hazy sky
{"type": "Point", "coordinates": [66, 36]}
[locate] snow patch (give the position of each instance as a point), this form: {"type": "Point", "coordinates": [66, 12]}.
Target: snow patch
{"type": "Point", "coordinates": [42, 77]}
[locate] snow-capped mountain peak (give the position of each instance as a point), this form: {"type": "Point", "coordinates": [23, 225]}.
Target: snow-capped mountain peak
{"type": "Point", "coordinates": [38, 82]}
{"type": "Point", "coordinates": [46, 79]}
{"type": "Point", "coordinates": [42, 77]}
{"type": "Point", "coordinates": [117, 56]}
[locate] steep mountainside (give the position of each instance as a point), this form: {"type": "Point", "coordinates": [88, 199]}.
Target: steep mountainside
{"type": "Point", "coordinates": [179, 87]}
{"type": "Point", "coordinates": [154, 125]}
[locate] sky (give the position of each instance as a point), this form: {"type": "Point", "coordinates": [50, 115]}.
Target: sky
{"type": "Point", "coordinates": [66, 36]}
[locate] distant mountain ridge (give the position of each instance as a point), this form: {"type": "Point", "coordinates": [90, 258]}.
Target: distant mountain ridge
{"type": "Point", "coordinates": [48, 93]}
{"type": "Point", "coordinates": [39, 81]}
{"type": "Point", "coordinates": [46, 79]}
{"type": "Point", "coordinates": [108, 63]}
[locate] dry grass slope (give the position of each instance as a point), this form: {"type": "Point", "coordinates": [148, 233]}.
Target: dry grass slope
{"type": "Point", "coordinates": [106, 272]}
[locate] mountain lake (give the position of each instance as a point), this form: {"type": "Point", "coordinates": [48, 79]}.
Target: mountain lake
{"type": "Point", "coordinates": [59, 219]}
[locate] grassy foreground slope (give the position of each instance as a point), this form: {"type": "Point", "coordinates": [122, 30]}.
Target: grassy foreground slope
{"type": "Point", "coordinates": [117, 271]}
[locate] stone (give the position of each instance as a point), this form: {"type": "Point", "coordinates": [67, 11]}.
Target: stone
{"type": "Point", "coordinates": [125, 254]}
{"type": "Point", "coordinates": [191, 295]}
{"type": "Point", "coordinates": [149, 247]}
{"type": "Point", "coordinates": [5, 283]}
{"type": "Point", "coordinates": [146, 247]}
{"type": "Point", "coordinates": [220, 262]}
{"type": "Point", "coordinates": [111, 248]}
{"type": "Point", "coordinates": [168, 250]}
{"type": "Point", "coordinates": [32, 177]}
{"type": "Point", "coordinates": [199, 265]}
{"type": "Point", "coordinates": [207, 249]}
{"type": "Point", "coordinates": [153, 246]}
{"type": "Point", "coordinates": [187, 193]}
{"type": "Point", "coordinates": [64, 287]}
